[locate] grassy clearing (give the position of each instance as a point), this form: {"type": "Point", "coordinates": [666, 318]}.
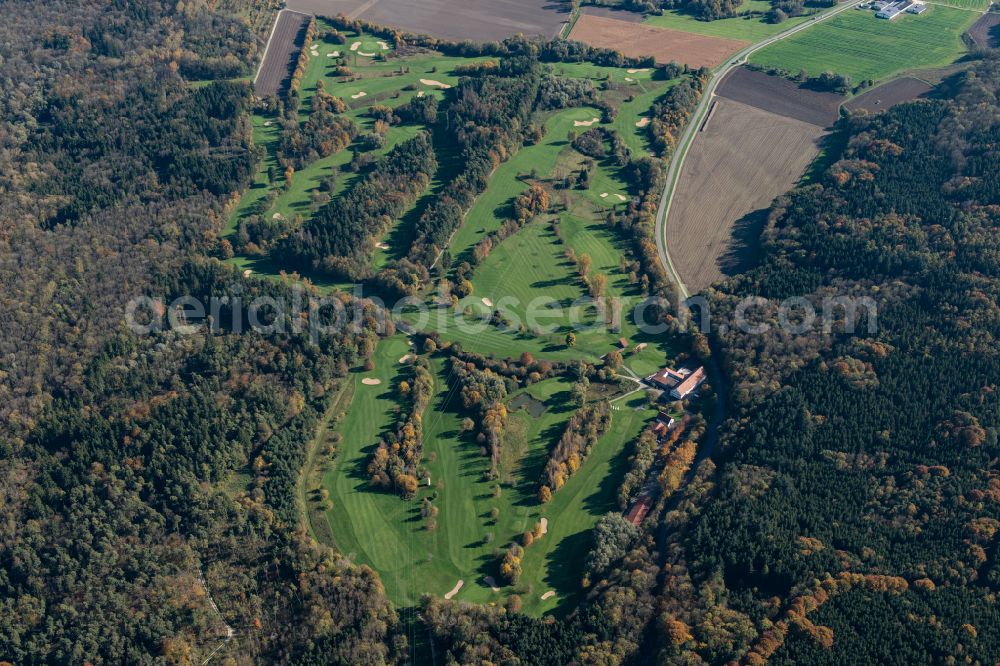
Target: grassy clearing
{"type": "Point", "coordinates": [387, 533]}
{"type": "Point", "coordinates": [630, 113]}
{"type": "Point", "coordinates": [529, 273]}
{"type": "Point", "coordinates": [494, 205]}
{"type": "Point", "coordinates": [750, 28]}
{"type": "Point", "coordinates": [555, 562]}
{"type": "Point", "coordinates": [863, 47]}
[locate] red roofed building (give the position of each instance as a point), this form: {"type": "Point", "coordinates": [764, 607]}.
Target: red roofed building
{"type": "Point", "coordinates": [639, 510]}
{"type": "Point", "coordinates": [679, 382]}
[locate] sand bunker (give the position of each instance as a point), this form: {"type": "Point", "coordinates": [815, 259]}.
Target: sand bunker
{"type": "Point", "coordinates": [585, 123]}
{"type": "Point", "coordinates": [636, 71]}
{"type": "Point", "coordinates": [405, 357]}
{"type": "Point", "coordinates": [435, 84]}
{"type": "Point", "coordinates": [382, 246]}
{"type": "Point", "coordinates": [247, 272]}
{"type": "Point", "coordinates": [277, 216]}
{"type": "Point", "coordinates": [267, 123]}
{"type": "Point", "coordinates": [630, 79]}
{"type": "Point", "coordinates": [371, 381]}
{"type": "Point", "coordinates": [621, 197]}
{"type": "Point", "coordinates": [543, 525]}
{"type": "Point", "coordinates": [454, 590]}
{"type": "Point", "coordinates": [359, 95]}
{"type": "Point", "coordinates": [366, 54]}
{"type": "Point", "coordinates": [383, 46]}
{"type": "Point", "coordinates": [487, 302]}
{"type": "Point", "coordinates": [548, 595]}
{"type": "Point", "coordinates": [420, 94]}
{"type": "Point", "coordinates": [355, 46]}
{"type": "Point", "coordinates": [642, 122]}
{"type": "Point", "coordinates": [604, 195]}
{"type": "Point", "coordinates": [492, 583]}
{"type": "Point", "coordinates": [333, 54]}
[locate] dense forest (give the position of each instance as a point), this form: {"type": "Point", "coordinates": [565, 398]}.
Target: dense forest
{"type": "Point", "coordinates": [854, 513]}
{"type": "Point", "coordinates": [148, 482]}
{"type": "Point", "coordinates": [850, 513]}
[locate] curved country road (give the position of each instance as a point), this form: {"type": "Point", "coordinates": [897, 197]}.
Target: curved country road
{"type": "Point", "coordinates": [687, 138]}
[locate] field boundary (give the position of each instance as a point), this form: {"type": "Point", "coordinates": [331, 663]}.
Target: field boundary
{"type": "Point", "coordinates": [690, 132]}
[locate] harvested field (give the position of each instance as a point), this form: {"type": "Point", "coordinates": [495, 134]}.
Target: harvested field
{"type": "Point", "coordinates": [613, 13]}
{"type": "Point", "coordinates": [282, 53]}
{"type": "Point", "coordinates": [457, 20]}
{"type": "Point", "coordinates": [781, 96]}
{"type": "Point", "coordinates": [888, 95]}
{"type": "Point", "coordinates": [985, 32]}
{"type": "Point", "coordinates": [639, 40]}
{"type": "Point", "coordinates": [744, 158]}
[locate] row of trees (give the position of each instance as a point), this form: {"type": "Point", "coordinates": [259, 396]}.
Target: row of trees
{"type": "Point", "coordinates": [395, 463]}
{"type": "Point", "coordinates": [484, 392]}
{"type": "Point", "coordinates": [340, 238]}
{"type": "Point", "coordinates": [527, 205]}
{"type": "Point", "coordinates": [487, 115]}
{"type": "Point", "coordinates": [583, 429]}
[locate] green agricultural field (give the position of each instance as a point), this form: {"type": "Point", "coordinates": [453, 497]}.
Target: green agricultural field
{"type": "Point", "coordinates": [751, 27]}
{"type": "Point", "coordinates": [857, 44]}
{"type": "Point", "coordinates": [387, 533]}
{"type": "Point", "coordinates": [974, 5]}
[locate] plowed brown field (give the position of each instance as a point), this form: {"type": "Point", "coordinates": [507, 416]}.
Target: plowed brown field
{"type": "Point", "coordinates": [740, 161]}
{"type": "Point", "coordinates": [282, 53]}
{"type": "Point", "coordinates": [458, 20]}
{"type": "Point", "coordinates": [638, 40]}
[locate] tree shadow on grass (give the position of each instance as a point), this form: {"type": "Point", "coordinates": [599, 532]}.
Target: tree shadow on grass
{"type": "Point", "coordinates": [565, 567]}
{"type": "Point", "coordinates": [604, 498]}
{"type": "Point", "coordinates": [533, 463]}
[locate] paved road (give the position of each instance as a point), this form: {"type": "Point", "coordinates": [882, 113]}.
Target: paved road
{"type": "Point", "coordinates": [708, 94]}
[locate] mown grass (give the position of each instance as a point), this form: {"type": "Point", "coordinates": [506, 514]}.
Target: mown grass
{"type": "Point", "coordinates": [510, 179]}
{"type": "Point", "coordinates": [750, 28]}
{"type": "Point", "coordinates": [388, 533]}
{"type": "Point", "coordinates": [857, 44]}
{"type": "Point", "coordinates": [380, 529]}
{"type": "Point", "coordinates": [390, 82]}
